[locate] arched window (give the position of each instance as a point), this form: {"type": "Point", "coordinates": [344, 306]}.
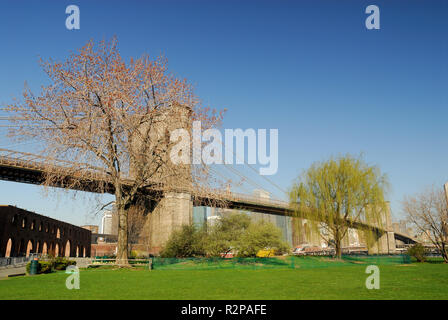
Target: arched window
{"type": "Point", "coordinates": [8, 248]}
{"type": "Point", "coordinates": [23, 223]}
{"type": "Point", "coordinates": [67, 249]}
{"type": "Point", "coordinates": [33, 223]}
{"type": "Point", "coordinates": [44, 248]}
{"type": "Point", "coordinates": [56, 250]}
{"type": "Point", "coordinates": [58, 234]}
{"type": "Point", "coordinates": [29, 248]}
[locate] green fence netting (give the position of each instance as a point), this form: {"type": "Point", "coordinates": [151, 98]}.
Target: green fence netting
{"type": "Point", "coordinates": [288, 262]}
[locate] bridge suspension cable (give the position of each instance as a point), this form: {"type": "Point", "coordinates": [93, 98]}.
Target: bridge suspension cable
{"type": "Point", "coordinates": [253, 169]}
{"type": "Point", "coordinates": [229, 167]}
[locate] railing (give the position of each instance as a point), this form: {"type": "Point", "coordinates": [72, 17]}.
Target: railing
{"type": "Point", "coordinates": [34, 161]}
{"type": "Point", "coordinates": [239, 197]}
{"type": "Point", "coordinates": [15, 261]}
{"type": "Point", "coordinates": [37, 162]}
{"type": "Point", "coordinates": [107, 261]}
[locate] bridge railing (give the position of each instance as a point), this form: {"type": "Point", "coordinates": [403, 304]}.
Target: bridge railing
{"type": "Point", "coordinates": [259, 200]}
{"type": "Point", "coordinates": [39, 162]}
{"type": "Point", "coordinates": [24, 160]}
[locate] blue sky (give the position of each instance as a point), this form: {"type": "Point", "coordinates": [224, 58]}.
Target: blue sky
{"type": "Point", "coordinates": [307, 68]}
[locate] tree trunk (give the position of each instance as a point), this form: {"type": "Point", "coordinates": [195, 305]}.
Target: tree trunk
{"type": "Point", "coordinates": [444, 253]}
{"type": "Point", "coordinates": [338, 249]}
{"type": "Point", "coordinates": [445, 257]}
{"type": "Point", "coordinates": [122, 250]}
{"type": "Point", "coordinates": [337, 243]}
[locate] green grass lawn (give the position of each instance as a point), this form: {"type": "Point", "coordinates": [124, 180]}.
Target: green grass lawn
{"type": "Point", "coordinates": [408, 281]}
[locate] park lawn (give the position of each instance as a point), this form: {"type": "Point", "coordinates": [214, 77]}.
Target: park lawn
{"type": "Point", "coordinates": [411, 281]}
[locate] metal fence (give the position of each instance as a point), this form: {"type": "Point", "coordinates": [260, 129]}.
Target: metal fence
{"type": "Point", "coordinates": [14, 261]}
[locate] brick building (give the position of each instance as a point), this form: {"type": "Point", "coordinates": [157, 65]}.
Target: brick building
{"type": "Point", "coordinates": [23, 232]}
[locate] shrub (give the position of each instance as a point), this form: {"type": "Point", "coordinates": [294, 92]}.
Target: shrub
{"type": "Point", "coordinates": [225, 236]}
{"type": "Point", "coordinates": [45, 267]}
{"type": "Point", "coordinates": [133, 254]}
{"type": "Point", "coordinates": [418, 252]}
{"type": "Point", "coordinates": [61, 263]}
{"type": "Point", "coordinates": [261, 236]}
{"type": "Point", "coordinates": [234, 233]}
{"type": "Point", "coordinates": [42, 267]}
{"type": "Point", "coordinates": [186, 242]}
{"type": "Point", "coordinates": [58, 263]}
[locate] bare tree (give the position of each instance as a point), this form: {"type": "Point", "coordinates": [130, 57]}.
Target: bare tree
{"type": "Point", "coordinates": [111, 119]}
{"type": "Point", "coordinates": [136, 222]}
{"type": "Point", "coordinates": [428, 211]}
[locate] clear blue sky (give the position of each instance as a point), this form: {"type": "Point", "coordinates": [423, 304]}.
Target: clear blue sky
{"type": "Point", "coordinates": [308, 68]}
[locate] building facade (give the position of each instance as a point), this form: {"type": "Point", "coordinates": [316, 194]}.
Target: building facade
{"type": "Point", "coordinates": [23, 232]}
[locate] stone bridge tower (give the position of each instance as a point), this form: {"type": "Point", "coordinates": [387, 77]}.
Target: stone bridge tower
{"type": "Point", "coordinates": [383, 242]}
{"type": "Point", "coordinates": [174, 207]}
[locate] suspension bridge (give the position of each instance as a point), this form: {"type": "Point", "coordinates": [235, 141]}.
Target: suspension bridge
{"type": "Point", "coordinates": [29, 168]}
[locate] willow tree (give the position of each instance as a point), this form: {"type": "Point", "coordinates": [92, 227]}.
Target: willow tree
{"type": "Point", "coordinates": [340, 194]}
{"type": "Point", "coordinates": [110, 120]}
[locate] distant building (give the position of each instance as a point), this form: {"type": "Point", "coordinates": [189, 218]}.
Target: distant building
{"type": "Point", "coordinates": [200, 215]}
{"type": "Point", "coordinates": [424, 237]}
{"type": "Point", "coordinates": [92, 228]}
{"type": "Point", "coordinates": [212, 220]}
{"type": "Point", "coordinates": [109, 222]}
{"type": "Point", "coordinates": [262, 194]}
